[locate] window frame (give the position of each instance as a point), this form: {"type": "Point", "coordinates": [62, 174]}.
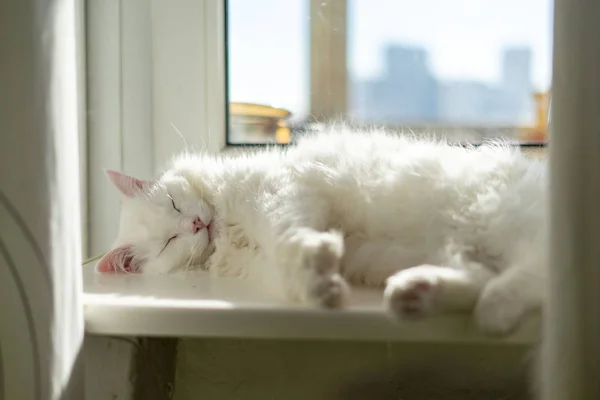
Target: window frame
{"type": "Point", "coordinates": [329, 80]}
{"type": "Point", "coordinates": [142, 106]}
{"type": "Point", "coordinates": [80, 48]}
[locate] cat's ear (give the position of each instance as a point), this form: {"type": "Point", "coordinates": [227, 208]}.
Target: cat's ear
{"type": "Point", "coordinates": [121, 259]}
{"type": "Point", "coordinates": [128, 185]}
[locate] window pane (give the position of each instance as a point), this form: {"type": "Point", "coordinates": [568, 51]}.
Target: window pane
{"type": "Point", "coordinates": [467, 69]}
{"type": "Point", "coordinates": [268, 65]}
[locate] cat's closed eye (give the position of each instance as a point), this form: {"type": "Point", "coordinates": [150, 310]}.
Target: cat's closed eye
{"type": "Point", "coordinates": [174, 206]}
{"type": "Point", "coordinates": [168, 241]}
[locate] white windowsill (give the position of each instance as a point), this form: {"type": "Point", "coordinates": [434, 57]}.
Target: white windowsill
{"type": "Point", "coordinates": [195, 305]}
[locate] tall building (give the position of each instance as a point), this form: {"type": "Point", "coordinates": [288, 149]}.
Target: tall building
{"type": "Point", "coordinates": [516, 69]}
{"type": "Point", "coordinates": [406, 92]}
{"type": "Point", "coordinates": [516, 81]}
{"type": "Point", "coordinates": [467, 102]}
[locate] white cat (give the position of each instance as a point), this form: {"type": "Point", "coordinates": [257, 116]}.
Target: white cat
{"type": "Point", "coordinates": [441, 228]}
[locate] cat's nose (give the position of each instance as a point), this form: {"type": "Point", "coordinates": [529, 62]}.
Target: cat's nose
{"type": "Point", "coordinates": [197, 225]}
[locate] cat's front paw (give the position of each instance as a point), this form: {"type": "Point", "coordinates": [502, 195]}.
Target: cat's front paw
{"type": "Point", "coordinates": [331, 291]}
{"type": "Point", "coordinates": [317, 277]}
{"type": "Point", "coordinates": [322, 254]}
{"type": "Point", "coordinates": [412, 293]}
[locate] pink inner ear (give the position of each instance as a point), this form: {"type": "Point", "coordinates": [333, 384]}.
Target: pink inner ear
{"type": "Point", "coordinates": [128, 185]}
{"type": "Point", "coordinates": [119, 260]}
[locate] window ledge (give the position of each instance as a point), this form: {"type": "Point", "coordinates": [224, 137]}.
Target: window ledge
{"type": "Point", "coordinates": [196, 305]}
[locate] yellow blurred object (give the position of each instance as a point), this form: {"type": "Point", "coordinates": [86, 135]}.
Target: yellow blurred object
{"type": "Point", "coordinates": [258, 123]}
{"type": "Point", "coordinates": [283, 133]}
{"type": "Point", "coordinates": [539, 131]}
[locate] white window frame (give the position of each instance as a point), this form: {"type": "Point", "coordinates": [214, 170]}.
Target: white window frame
{"type": "Point", "coordinates": [329, 82]}
{"type": "Point", "coordinates": [80, 34]}
{"type": "Point", "coordinates": [156, 85]}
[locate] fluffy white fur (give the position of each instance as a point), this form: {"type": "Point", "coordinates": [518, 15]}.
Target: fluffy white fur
{"type": "Point", "coordinates": [440, 228]}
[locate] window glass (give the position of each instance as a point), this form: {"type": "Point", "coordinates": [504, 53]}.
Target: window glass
{"type": "Point", "coordinates": [465, 69]}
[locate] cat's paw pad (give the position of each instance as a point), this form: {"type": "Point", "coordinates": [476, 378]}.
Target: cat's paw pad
{"type": "Point", "coordinates": [499, 315]}
{"type": "Point", "coordinates": [412, 294]}
{"type": "Point", "coordinates": [329, 291]}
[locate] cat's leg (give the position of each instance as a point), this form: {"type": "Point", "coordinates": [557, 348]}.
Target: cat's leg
{"type": "Point", "coordinates": [508, 298]}
{"type": "Point", "coordinates": [310, 262]}
{"type": "Point", "coordinates": [414, 290]}
{"type": "Point", "coordinates": [428, 289]}
{"type": "Point", "coordinates": [305, 253]}
{"type": "Point", "coordinates": [369, 262]}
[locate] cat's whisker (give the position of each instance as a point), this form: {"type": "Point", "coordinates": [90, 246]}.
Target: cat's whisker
{"type": "Point", "coordinates": [180, 135]}
{"type": "Point", "coordinates": [186, 260]}
{"type": "Point", "coordinates": [190, 258]}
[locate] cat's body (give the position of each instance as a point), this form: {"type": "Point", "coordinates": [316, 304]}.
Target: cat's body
{"type": "Point", "coordinates": [440, 227]}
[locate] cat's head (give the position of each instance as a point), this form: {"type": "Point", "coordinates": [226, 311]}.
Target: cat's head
{"type": "Point", "coordinates": [164, 226]}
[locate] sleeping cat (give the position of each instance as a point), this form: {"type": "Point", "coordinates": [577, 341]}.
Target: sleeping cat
{"type": "Point", "coordinates": [439, 228]}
